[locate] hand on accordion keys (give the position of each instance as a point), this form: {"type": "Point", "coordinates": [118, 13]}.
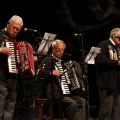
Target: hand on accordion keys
{"type": "Point", "coordinates": [56, 73]}
{"type": "Point", "coordinates": [62, 73]}
{"type": "Point", "coordinates": [6, 50]}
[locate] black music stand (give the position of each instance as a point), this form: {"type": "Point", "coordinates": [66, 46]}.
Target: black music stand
{"type": "Point", "coordinates": [90, 59]}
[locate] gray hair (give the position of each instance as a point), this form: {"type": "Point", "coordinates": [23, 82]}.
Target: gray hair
{"type": "Point", "coordinates": [57, 41]}
{"type": "Point", "coordinates": [16, 18]}
{"type": "Point", "coordinates": [115, 31]}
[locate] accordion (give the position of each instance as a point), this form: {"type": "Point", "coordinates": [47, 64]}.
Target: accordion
{"type": "Point", "coordinates": [75, 77]}
{"type": "Point", "coordinates": [21, 59]}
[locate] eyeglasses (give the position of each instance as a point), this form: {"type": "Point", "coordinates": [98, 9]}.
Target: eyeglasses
{"type": "Point", "coordinates": [59, 49]}
{"type": "Point", "coordinates": [15, 28]}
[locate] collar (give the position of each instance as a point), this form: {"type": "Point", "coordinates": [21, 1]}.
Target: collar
{"type": "Point", "coordinates": [56, 58]}
{"type": "Point", "coordinates": [5, 29]}
{"type": "Point", "coordinates": [112, 41]}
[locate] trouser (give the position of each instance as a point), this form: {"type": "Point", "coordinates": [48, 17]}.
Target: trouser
{"type": "Point", "coordinates": [7, 100]}
{"type": "Point", "coordinates": [109, 105]}
{"type": "Point", "coordinates": [75, 108]}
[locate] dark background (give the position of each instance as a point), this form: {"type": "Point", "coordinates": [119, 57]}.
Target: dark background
{"type": "Point", "coordinates": [94, 19]}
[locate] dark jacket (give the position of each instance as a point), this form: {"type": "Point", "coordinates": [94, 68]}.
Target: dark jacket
{"type": "Point", "coordinates": [4, 73]}
{"type": "Point", "coordinates": [107, 69]}
{"type": "Point", "coordinates": [51, 82]}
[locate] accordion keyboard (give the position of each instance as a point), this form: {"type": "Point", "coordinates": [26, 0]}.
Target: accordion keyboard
{"type": "Point", "coordinates": [63, 80]}
{"type": "Point", "coordinates": [13, 59]}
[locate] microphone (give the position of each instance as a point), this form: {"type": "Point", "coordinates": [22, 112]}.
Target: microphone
{"type": "Point", "coordinates": [29, 30]}
{"type": "Point", "coordinates": [76, 35]}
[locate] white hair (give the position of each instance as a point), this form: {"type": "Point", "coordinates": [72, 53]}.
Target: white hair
{"type": "Point", "coordinates": [115, 31]}
{"type": "Point", "coordinates": [17, 19]}
{"type": "Point", "coordinates": [57, 41]}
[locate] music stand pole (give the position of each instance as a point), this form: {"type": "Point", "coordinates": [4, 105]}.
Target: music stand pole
{"type": "Point", "coordinates": [90, 60]}
{"type": "Point", "coordinates": [23, 85]}
{"type": "Point", "coordinates": [87, 91]}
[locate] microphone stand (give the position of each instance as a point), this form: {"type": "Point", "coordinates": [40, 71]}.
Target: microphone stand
{"type": "Point", "coordinates": [85, 73]}
{"type": "Point", "coordinates": [22, 74]}
{"type": "Point", "coordinates": [36, 38]}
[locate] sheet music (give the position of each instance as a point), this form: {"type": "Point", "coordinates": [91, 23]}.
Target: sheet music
{"type": "Point", "coordinates": [90, 59]}
{"type": "Point", "coordinates": [46, 43]}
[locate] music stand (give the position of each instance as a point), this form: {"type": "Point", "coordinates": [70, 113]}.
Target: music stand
{"type": "Point", "coordinates": [45, 43]}
{"type": "Point", "coordinates": [90, 59]}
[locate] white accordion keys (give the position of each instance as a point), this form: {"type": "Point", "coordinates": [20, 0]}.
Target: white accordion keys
{"type": "Point", "coordinates": [64, 81]}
